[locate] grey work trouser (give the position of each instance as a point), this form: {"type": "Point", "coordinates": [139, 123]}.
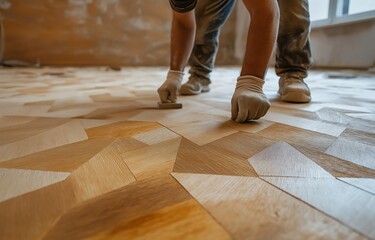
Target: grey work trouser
{"type": "Point", "coordinates": [293, 54]}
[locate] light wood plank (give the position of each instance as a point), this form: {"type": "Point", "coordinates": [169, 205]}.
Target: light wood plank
{"type": "Point", "coordinates": [348, 204]}
{"type": "Point", "coordinates": [242, 144]}
{"type": "Point", "coordinates": [156, 136]}
{"type": "Point", "coordinates": [186, 220]}
{"type": "Point", "coordinates": [365, 116]}
{"type": "Point", "coordinates": [250, 208]}
{"type": "Point", "coordinates": [152, 160]}
{"type": "Point", "coordinates": [192, 158]}
{"type": "Point", "coordinates": [15, 182]}
{"type": "Point", "coordinates": [127, 144]}
{"type": "Point", "coordinates": [312, 125]}
{"type": "Point", "coordinates": [66, 158]}
{"type": "Point", "coordinates": [8, 121]}
{"type": "Point", "coordinates": [152, 208]}
{"type": "Point", "coordinates": [121, 129]}
{"type": "Point", "coordinates": [281, 159]}
{"type": "Point", "coordinates": [337, 167]}
{"type": "Point", "coordinates": [105, 172]}
{"type": "Point", "coordinates": [367, 184]}
{"type": "Point", "coordinates": [297, 136]}
{"type": "Point", "coordinates": [67, 133]}
{"type": "Point", "coordinates": [31, 215]}
{"type": "Point", "coordinates": [251, 127]}
{"type": "Point", "coordinates": [14, 133]}
{"type": "Point", "coordinates": [358, 153]}
{"type": "Point", "coordinates": [203, 132]}
{"type": "Point", "coordinates": [92, 123]}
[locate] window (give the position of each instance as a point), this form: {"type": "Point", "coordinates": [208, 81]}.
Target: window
{"type": "Point", "coordinates": [332, 12]}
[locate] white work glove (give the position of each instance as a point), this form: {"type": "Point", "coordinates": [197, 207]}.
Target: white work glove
{"type": "Point", "coordinates": [169, 89]}
{"type": "Point", "coordinates": [249, 101]}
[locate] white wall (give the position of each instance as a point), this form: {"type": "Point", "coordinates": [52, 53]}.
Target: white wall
{"type": "Point", "coordinates": [351, 45]}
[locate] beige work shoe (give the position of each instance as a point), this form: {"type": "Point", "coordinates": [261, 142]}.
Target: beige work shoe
{"type": "Point", "coordinates": [195, 86]}
{"type": "Point", "coordinates": [294, 89]}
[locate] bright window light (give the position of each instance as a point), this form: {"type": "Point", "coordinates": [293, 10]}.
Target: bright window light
{"type": "Point", "coordinates": [319, 9]}
{"type": "Point", "coordinates": [348, 7]}
{"type": "Point", "coordinates": [333, 12]}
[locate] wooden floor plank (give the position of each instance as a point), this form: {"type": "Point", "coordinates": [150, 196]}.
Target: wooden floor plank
{"type": "Point", "coordinates": [348, 204]}
{"type": "Point", "coordinates": [192, 158]}
{"type": "Point", "coordinates": [31, 215]}
{"type": "Point", "coordinates": [66, 158]}
{"type": "Point", "coordinates": [249, 208]}
{"type": "Point", "coordinates": [156, 136]}
{"type": "Point", "coordinates": [30, 126]}
{"type": "Point", "coordinates": [86, 154]}
{"type": "Point", "coordinates": [367, 184]}
{"type": "Point", "coordinates": [297, 136]}
{"type": "Point", "coordinates": [203, 132]}
{"type": "Point", "coordinates": [152, 160]}
{"type": "Point", "coordinates": [242, 144]}
{"type": "Point", "coordinates": [358, 153]}
{"type": "Point", "coordinates": [149, 208]}
{"type": "Point", "coordinates": [15, 182]}
{"type": "Point", "coordinates": [283, 160]}
{"type": "Point", "coordinates": [316, 126]}
{"type": "Point", "coordinates": [337, 167]}
{"type": "Point", "coordinates": [67, 133]}
{"type": "Point", "coordinates": [105, 172]}
{"type": "Point", "coordinates": [121, 129]}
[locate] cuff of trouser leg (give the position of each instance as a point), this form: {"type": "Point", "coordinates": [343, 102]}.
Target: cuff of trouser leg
{"type": "Point", "coordinates": [297, 74]}
{"type": "Point", "coordinates": [183, 6]}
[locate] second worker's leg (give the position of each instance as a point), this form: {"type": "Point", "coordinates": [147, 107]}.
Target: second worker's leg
{"type": "Point", "coordinates": [293, 55]}
{"type": "Point", "coordinates": [210, 17]}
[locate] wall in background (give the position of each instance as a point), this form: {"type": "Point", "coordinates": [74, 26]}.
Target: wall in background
{"type": "Point", "coordinates": [345, 46]}
{"type": "Point", "coordinates": [351, 45]}
{"type": "Point", "coordinates": [94, 32]}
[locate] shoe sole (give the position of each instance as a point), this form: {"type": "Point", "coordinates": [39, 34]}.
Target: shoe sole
{"type": "Point", "coordinates": [296, 98]}
{"type": "Point", "coordinates": [188, 91]}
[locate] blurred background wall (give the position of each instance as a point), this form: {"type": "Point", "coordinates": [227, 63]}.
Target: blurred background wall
{"type": "Point", "coordinates": [94, 32]}
{"type": "Point", "coordinates": [137, 33]}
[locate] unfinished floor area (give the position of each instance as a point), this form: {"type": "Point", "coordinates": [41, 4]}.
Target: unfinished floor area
{"type": "Point", "coordinates": [86, 154]}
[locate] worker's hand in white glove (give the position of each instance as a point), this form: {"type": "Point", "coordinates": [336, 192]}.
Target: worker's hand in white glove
{"type": "Point", "coordinates": [248, 101]}
{"type": "Point", "coordinates": [169, 89]}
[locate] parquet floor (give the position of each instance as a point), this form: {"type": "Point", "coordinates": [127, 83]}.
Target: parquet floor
{"type": "Point", "coordinates": [85, 154]}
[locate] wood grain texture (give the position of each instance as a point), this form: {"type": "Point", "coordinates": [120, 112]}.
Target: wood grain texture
{"type": "Point", "coordinates": [121, 129]}
{"type": "Point", "coordinates": [249, 208]}
{"type": "Point", "coordinates": [69, 132]}
{"type": "Point", "coordinates": [337, 167]}
{"type": "Point", "coordinates": [358, 153]}
{"type": "Point", "coordinates": [298, 136]}
{"type": "Point", "coordinates": [156, 136]}
{"type": "Point", "coordinates": [203, 132]}
{"type": "Point", "coordinates": [210, 160]}
{"type": "Point", "coordinates": [88, 156]}
{"type": "Point", "coordinates": [66, 158]}
{"type": "Point", "coordinates": [31, 215]}
{"type": "Point", "coordinates": [150, 208]}
{"type": "Point", "coordinates": [157, 159]}
{"type": "Point", "coordinates": [105, 172]}
{"type": "Point", "coordinates": [15, 182]}
{"type": "Point", "coordinates": [346, 203]}
{"type": "Point", "coordinates": [242, 144]}
{"type": "Point", "coordinates": [281, 159]}
{"type": "Point", "coordinates": [367, 184]}
{"type": "Point", "coordinates": [316, 126]}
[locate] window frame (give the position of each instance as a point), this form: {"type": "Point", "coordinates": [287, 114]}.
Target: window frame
{"type": "Point", "coordinates": [334, 20]}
